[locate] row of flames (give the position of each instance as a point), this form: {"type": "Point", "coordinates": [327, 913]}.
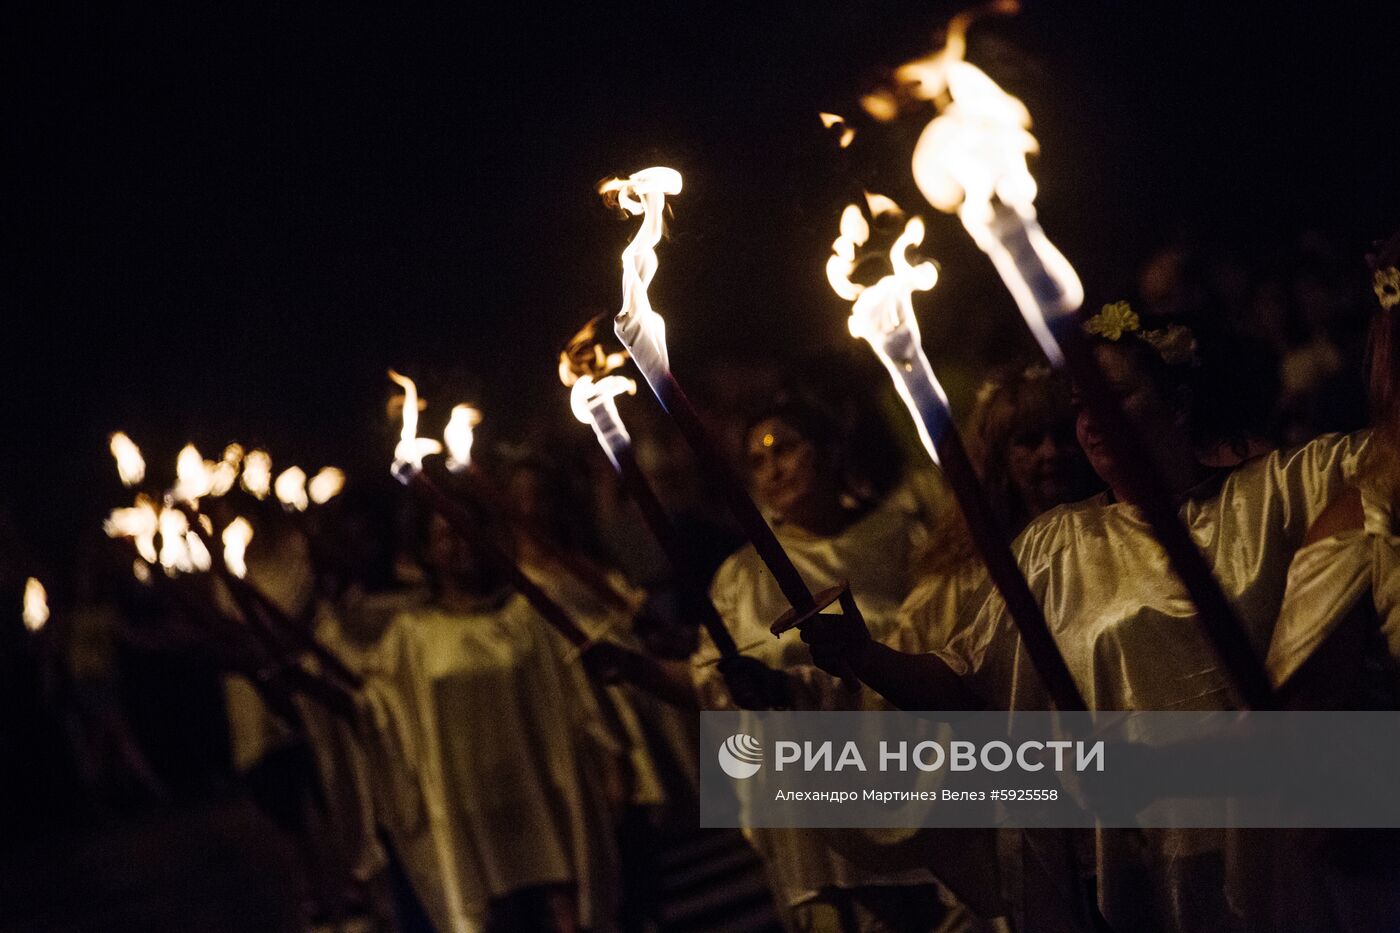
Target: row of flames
{"type": "Point", "coordinates": [160, 528]}
{"type": "Point", "coordinates": [970, 159]}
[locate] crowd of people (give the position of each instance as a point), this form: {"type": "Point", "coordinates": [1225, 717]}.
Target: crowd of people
{"type": "Point", "coordinates": [445, 759]}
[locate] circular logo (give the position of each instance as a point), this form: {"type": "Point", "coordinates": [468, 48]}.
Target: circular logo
{"type": "Point", "coordinates": [741, 756]}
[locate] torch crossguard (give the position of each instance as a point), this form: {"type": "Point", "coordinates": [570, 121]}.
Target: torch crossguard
{"type": "Point", "coordinates": [794, 618]}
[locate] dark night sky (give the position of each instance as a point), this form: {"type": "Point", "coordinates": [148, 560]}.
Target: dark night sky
{"type": "Point", "coordinates": [226, 222]}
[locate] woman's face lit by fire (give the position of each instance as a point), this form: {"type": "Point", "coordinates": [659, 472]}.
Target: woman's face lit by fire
{"type": "Point", "coordinates": [1162, 418]}
{"type": "Point", "coordinates": [790, 474]}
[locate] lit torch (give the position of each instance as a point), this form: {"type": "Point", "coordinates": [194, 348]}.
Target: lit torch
{"type": "Point", "coordinates": [257, 473]}
{"type": "Point", "coordinates": [192, 476]}
{"type": "Point", "coordinates": [643, 332]}
{"type": "Point", "coordinates": [236, 537]}
{"type": "Point", "coordinates": [883, 315]}
{"type": "Point", "coordinates": [459, 435]}
{"type": "Point", "coordinates": [588, 371]}
{"type": "Point", "coordinates": [131, 467]}
{"type": "Point", "coordinates": [408, 469]}
{"type": "Point", "coordinates": [290, 489]}
{"type": "Point", "coordinates": [971, 158]}
{"type": "Point", "coordinates": [140, 523]}
{"type": "Point", "coordinates": [36, 605]}
{"type": "Point", "coordinates": [326, 484]}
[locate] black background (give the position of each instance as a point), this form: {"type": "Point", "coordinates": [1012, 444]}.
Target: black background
{"type": "Point", "coordinates": [227, 221]}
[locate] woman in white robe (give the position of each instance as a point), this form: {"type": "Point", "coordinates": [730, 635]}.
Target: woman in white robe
{"type": "Point", "coordinates": [484, 754]}
{"type": "Point", "coordinates": [1120, 617]}
{"type": "Point", "coordinates": [1337, 643]}
{"type": "Point", "coordinates": [791, 453]}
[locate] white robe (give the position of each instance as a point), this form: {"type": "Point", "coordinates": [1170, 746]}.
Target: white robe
{"type": "Point", "coordinates": [876, 555]}
{"type": "Point", "coordinates": [482, 757]}
{"type": "Point", "coordinates": [1128, 631]}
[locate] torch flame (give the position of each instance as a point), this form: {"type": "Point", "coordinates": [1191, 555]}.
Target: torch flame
{"type": "Point", "coordinates": [883, 313]}
{"type": "Point", "coordinates": [411, 449]}
{"type": "Point", "coordinates": [36, 605]}
{"type": "Point", "coordinates": [222, 476]}
{"type": "Point", "coordinates": [459, 436]}
{"type": "Point", "coordinates": [131, 466]}
{"type": "Point", "coordinates": [181, 549]}
{"type": "Point", "coordinates": [290, 488]}
{"type": "Point", "coordinates": [587, 394]}
{"type": "Point", "coordinates": [842, 264]}
{"type": "Point", "coordinates": [193, 476]}
{"type": "Point", "coordinates": [326, 485]}
{"type": "Point", "coordinates": [835, 119]}
{"type": "Point", "coordinates": [139, 523]}
{"type": "Point", "coordinates": [638, 326]}
{"type": "Point", "coordinates": [257, 473]}
{"type": "Point", "coordinates": [236, 537]}
{"type": "Point", "coordinates": [971, 159]}
{"type": "Point", "coordinates": [199, 557]}
{"type": "Point", "coordinates": [584, 355]}
{"type": "Point", "coordinates": [584, 366]}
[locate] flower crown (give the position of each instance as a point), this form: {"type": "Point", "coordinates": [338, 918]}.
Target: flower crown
{"type": "Point", "coordinates": [1175, 343]}
{"type": "Point", "coordinates": [1386, 283]}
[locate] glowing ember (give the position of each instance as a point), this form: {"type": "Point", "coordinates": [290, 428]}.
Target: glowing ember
{"type": "Point", "coordinates": [971, 158]}
{"type": "Point", "coordinates": [36, 605]}
{"type": "Point", "coordinates": [883, 313]}
{"type": "Point", "coordinates": [131, 466]}
{"type": "Point", "coordinates": [638, 326]}
{"type": "Point", "coordinates": [140, 523]}
{"type": "Point", "coordinates": [326, 485]}
{"type": "Point", "coordinates": [290, 488]}
{"type": "Point", "coordinates": [236, 538]}
{"type": "Point", "coordinates": [257, 473]}
{"type": "Point", "coordinates": [847, 133]}
{"type": "Point", "coordinates": [459, 435]}
{"type": "Point", "coordinates": [411, 449]}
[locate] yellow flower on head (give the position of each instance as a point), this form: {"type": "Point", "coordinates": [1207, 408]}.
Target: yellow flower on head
{"type": "Point", "coordinates": [1113, 321]}
{"type": "Point", "coordinates": [1387, 285]}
